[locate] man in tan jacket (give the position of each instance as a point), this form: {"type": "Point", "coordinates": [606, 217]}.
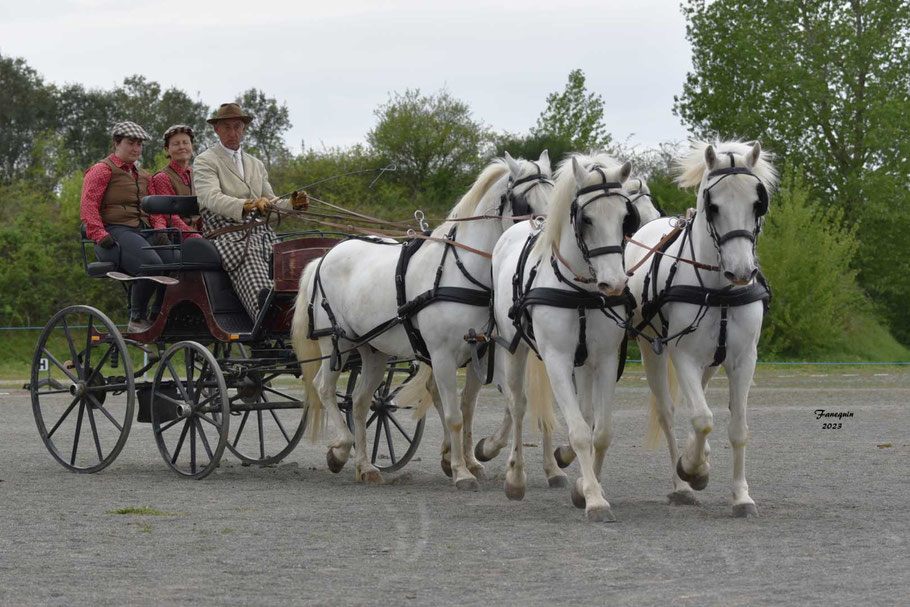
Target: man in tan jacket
{"type": "Point", "coordinates": [230, 184]}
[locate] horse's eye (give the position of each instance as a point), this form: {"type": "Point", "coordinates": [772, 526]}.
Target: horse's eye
{"type": "Point", "coordinates": [586, 220]}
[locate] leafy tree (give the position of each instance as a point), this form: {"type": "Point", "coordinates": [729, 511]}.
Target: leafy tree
{"type": "Point", "coordinates": [575, 116]}
{"type": "Point", "coordinates": [265, 135]}
{"type": "Point", "coordinates": [84, 119]}
{"type": "Point", "coordinates": [26, 111]}
{"type": "Point", "coordinates": [532, 145]}
{"type": "Point", "coordinates": [432, 139]}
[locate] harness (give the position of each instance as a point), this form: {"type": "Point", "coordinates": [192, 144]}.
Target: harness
{"type": "Point", "coordinates": [654, 299]}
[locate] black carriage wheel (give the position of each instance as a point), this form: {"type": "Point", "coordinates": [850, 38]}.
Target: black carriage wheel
{"type": "Point", "coordinates": [83, 402]}
{"type": "Point", "coordinates": [266, 436]}
{"type": "Point", "coordinates": [396, 434]}
{"type": "Point", "coordinates": [192, 430]}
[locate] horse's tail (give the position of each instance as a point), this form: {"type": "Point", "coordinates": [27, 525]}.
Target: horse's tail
{"type": "Point", "coordinates": [540, 394]}
{"type": "Point", "coordinates": [308, 350]}
{"type": "Point", "coordinates": [653, 433]}
{"type": "Point", "coordinates": [415, 394]}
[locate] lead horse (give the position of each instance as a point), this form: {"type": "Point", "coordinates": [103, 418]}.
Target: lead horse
{"type": "Point", "coordinates": [421, 298]}
{"type": "Point", "coordinates": [700, 303]}
{"type": "Point", "coordinates": [561, 291]}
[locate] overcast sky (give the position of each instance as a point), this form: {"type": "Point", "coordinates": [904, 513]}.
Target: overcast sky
{"type": "Point", "coordinates": [334, 61]}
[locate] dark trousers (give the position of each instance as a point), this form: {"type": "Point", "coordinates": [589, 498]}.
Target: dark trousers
{"type": "Point", "coordinates": [129, 254]}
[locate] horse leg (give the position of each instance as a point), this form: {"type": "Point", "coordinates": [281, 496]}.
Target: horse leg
{"type": "Point", "coordinates": [657, 373]}
{"type": "Point", "coordinates": [371, 374]}
{"type": "Point", "coordinates": [555, 476]}
{"type": "Point", "coordinates": [469, 395]}
{"type": "Point", "coordinates": [489, 447]}
{"type": "Point", "coordinates": [446, 450]}
{"type": "Point", "coordinates": [444, 370]}
{"type": "Point", "coordinates": [340, 448]}
{"type": "Point", "coordinates": [601, 392]}
{"type": "Point", "coordinates": [740, 375]}
{"type": "Point", "coordinates": [693, 466]}
{"type": "Point", "coordinates": [516, 479]}
{"type": "Point", "coordinates": [586, 492]}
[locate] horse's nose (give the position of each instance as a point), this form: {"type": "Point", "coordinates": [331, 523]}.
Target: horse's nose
{"type": "Point", "coordinates": [611, 289]}
{"type": "Point", "coordinates": [740, 280]}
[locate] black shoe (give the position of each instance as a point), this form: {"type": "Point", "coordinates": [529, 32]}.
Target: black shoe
{"type": "Point", "coordinates": [138, 325]}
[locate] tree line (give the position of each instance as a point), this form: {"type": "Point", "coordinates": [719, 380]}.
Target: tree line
{"type": "Point", "coordinates": [829, 94]}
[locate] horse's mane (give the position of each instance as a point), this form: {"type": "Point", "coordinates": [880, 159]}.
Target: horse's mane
{"type": "Point", "coordinates": [563, 195]}
{"type": "Point", "coordinates": [467, 206]}
{"type": "Point", "coordinates": [691, 167]}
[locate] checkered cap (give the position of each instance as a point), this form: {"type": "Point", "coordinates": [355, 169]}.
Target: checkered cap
{"type": "Point", "coordinates": [129, 129]}
{"type": "Point", "coordinates": [178, 128]}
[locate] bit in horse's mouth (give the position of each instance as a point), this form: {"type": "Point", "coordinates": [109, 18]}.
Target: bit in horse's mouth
{"type": "Point", "coordinates": [741, 283]}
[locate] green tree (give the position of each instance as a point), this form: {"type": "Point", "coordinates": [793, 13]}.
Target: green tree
{"type": "Point", "coordinates": [26, 112]}
{"type": "Point", "coordinates": [531, 146]}
{"type": "Point", "coordinates": [265, 135]}
{"type": "Point", "coordinates": [433, 140]}
{"type": "Point", "coordinates": [575, 115]}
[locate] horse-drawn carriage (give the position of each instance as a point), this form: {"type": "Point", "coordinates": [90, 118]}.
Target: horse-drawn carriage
{"type": "Point", "coordinates": [205, 375]}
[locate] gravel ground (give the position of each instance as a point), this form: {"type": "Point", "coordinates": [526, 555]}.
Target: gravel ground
{"type": "Point", "coordinates": [833, 525]}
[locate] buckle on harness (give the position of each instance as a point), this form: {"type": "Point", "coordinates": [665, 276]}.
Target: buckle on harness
{"type": "Point", "coordinates": [658, 346]}
{"type": "Point", "coordinates": [475, 338]}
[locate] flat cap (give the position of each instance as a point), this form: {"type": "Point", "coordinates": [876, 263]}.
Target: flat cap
{"type": "Point", "coordinates": [129, 129]}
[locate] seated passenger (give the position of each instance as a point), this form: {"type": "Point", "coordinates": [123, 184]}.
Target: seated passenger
{"type": "Point", "coordinates": [230, 183]}
{"type": "Point", "coordinates": [176, 179]}
{"type": "Point", "coordinates": [113, 218]}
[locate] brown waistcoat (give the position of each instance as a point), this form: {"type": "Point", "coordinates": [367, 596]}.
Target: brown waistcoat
{"type": "Point", "coordinates": [120, 205]}
{"type": "Point", "coordinates": [180, 188]}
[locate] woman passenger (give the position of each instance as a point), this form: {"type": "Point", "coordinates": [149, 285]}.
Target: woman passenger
{"type": "Point", "coordinates": [176, 179]}
{"type": "Point", "coordinates": [114, 219]}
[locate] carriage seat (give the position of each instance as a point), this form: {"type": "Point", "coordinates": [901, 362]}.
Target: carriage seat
{"type": "Point", "coordinates": [94, 269]}
{"type": "Point", "coordinates": [184, 206]}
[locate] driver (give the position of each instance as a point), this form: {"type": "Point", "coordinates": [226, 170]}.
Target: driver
{"type": "Point", "coordinates": [230, 183]}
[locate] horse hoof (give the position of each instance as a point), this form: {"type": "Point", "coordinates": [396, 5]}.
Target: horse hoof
{"type": "Point", "coordinates": [478, 472]}
{"type": "Point", "coordinates": [683, 498]}
{"type": "Point", "coordinates": [564, 456]}
{"type": "Point", "coordinates": [372, 477]}
{"type": "Point", "coordinates": [446, 467]}
{"type": "Point", "coordinates": [467, 484]}
{"type": "Point", "coordinates": [578, 498]}
{"type": "Point", "coordinates": [335, 464]}
{"type": "Point", "coordinates": [745, 511]}
{"type": "Point", "coordinates": [696, 482]}
{"type": "Point", "coordinates": [514, 492]}
{"type": "Point", "coordinates": [600, 514]}
{"type": "Point", "coordinates": [478, 451]}
{"type": "Point", "coordinates": [556, 482]}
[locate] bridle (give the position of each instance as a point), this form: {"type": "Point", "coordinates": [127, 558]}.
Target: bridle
{"type": "Point", "coordinates": [760, 206]}
{"type": "Point", "coordinates": [607, 189]}
{"type": "Point", "coordinates": [519, 202]}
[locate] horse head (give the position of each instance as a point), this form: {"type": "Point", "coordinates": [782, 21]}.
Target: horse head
{"type": "Point", "coordinates": [529, 187]}
{"type": "Point", "coordinates": [601, 214]}
{"type": "Point", "coordinates": [644, 203]}
{"type": "Point", "coordinates": [732, 201]}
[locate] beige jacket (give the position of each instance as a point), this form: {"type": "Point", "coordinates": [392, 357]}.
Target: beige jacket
{"type": "Point", "coordinates": [220, 188]}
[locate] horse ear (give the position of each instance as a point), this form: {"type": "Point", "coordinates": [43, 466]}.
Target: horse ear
{"type": "Point", "coordinates": [710, 157]}
{"type": "Point", "coordinates": [625, 171]}
{"type": "Point", "coordinates": [753, 155]}
{"type": "Point", "coordinates": [544, 159]}
{"type": "Point", "coordinates": [581, 173]}
{"type": "Point", "coordinates": [514, 168]}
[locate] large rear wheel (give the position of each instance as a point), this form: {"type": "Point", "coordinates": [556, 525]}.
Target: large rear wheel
{"type": "Point", "coordinates": [82, 388]}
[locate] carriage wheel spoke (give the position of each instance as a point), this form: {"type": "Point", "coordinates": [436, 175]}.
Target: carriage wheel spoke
{"type": "Point", "coordinates": [186, 428]}
{"type": "Point", "coordinates": [103, 360]}
{"type": "Point", "coordinates": [246, 414]}
{"type": "Point", "coordinates": [91, 421]}
{"type": "Point", "coordinates": [192, 446]}
{"type": "Point", "coordinates": [178, 382]}
{"type": "Point", "coordinates": [388, 439]}
{"type": "Point", "coordinates": [189, 356]}
{"type": "Point", "coordinates": [168, 425]}
{"type": "Point", "coordinates": [376, 442]}
{"type": "Point", "coordinates": [205, 442]}
{"type": "Point", "coordinates": [400, 429]}
{"type": "Point", "coordinates": [69, 340]}
{"type": "Point", "coordinates": [210, 421]}
{"type": "Point", "coordinates": [78, 431]}
{"type": "Point", "coordinates": [60, 365]}
{"type": "Point", "coordinates": [199, 388]}
{"type": "Point", "coordinates": [88, 342]}
{"type": "Point", "coordinates": [280, 426]}
{"type": "Point", "coordinates": [278, 392]}
{"type": "Point", "coordinates": [261, 435]}
{"type": "Point", "coordinates": [63, 417]}
{"type": "Point", "coordinates": [371, 418]}
{"type": "Point", "coordinates": [107, 414]}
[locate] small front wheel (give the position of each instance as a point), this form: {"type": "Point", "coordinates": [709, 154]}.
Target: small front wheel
{"type": "Point", "coordinates": [191, 428]}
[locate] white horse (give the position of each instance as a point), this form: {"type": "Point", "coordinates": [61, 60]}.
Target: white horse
{"type": "Point", "coordinates": [577, 261]}
{"type": "Point", "coordinates": [490, 446]}
{"type": "Point", "coordinates": [357, 283]}
{"type": "Point", "coordinates": [734, 180]}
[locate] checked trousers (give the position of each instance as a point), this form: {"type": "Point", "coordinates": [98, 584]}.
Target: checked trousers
{"type": "Point", "coordinates": [245, 256]}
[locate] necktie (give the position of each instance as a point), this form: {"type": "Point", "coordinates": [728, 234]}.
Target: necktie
{"type": "Point", "coordinates": [238, 163]}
